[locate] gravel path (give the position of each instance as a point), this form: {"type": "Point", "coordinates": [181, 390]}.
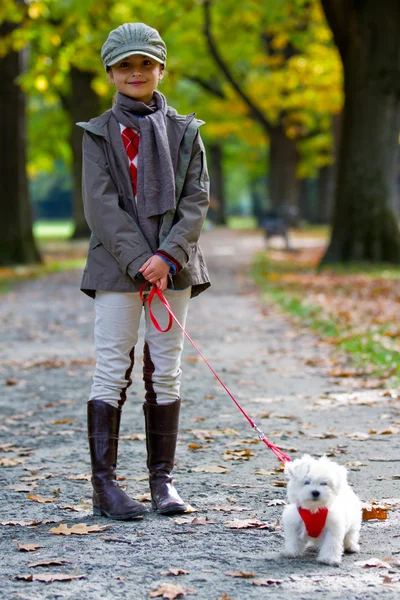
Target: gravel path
{"type": "Point", "coordinates": [283, 378]}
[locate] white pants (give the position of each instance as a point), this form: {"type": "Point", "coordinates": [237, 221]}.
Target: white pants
{"type": "Point", "coordinates": [116, 335]}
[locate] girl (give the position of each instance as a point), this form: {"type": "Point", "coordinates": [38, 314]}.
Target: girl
{"type": "Point", "coordinates": [145, 194]}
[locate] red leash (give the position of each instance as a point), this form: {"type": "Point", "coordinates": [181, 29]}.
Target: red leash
{"type": "Point", "coordinates": [155, 291]}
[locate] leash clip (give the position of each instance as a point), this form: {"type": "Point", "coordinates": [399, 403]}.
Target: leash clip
{"type": "Point", "coordinates": [260, 434]}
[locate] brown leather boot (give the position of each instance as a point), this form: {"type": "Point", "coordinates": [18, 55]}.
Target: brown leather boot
{"type": "Point", "coordinates": [161, 435]}
{"type": "Point", "coordinates": [109, 499]}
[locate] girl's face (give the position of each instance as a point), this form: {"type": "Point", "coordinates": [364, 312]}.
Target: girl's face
{"type": "Point", "coordinates": [136, 76]}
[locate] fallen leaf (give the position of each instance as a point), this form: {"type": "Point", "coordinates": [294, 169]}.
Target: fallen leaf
{"type": "Point", "coordinates": [40, 499]}
{"type": "Point", "coordinates": [229, 508]}
{"type": "Point", "coordinates": [48, 563]}
{"type": "Point", "coordinates": [10, 462]}
{"type": "Point", "coordinates": [247, 524]}
{"type": "Point", "coordinates": [276, 502]}
{"type": "Point", "coordinates": [81, 477]}
{"type": "Point", "coordinates": [265, 582]}
{"type": "Point", "coordinates": [278, 483]}
{"type": "Point", "coordinates": [49, 577]}
{"type": "Point", "coordinates": [80, 507]}
{"type": "Point", "coordinates": [28, 523]}
{"type": "Point", "coordinates": [169, 591]}
{"type": "Point", "coordinates": [28, 547]}
{"type": "Point", "coordinates": [78, 529]}
{"type": "Point", "coordinates": [237, 454]}
{"type": "Point", "coordinates": [193, 358]}
{"type": "Point", "coordinates": [193, 521]}
{"type": "Point", "coordinates": [241, 574]}
{"type": "Point", "coordinates": [210, 469]}
{"type": "Point", "coordinates": [175, 571]}
{"type": "Point", "coordinates": [20, 487]}
{"type": "Point", "coordinates": [373, 562]}
{"type": "Point", "coordinates": [196, 447]}
{"type": "Point", "coordinates": [134, 436]}
{"type": "Point", "coordinates": [374, 512]}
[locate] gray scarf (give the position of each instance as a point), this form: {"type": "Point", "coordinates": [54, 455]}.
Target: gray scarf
{"type": "Point", "coordinates": [155, 179]}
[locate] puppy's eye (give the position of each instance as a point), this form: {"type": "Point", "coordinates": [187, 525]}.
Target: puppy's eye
{"type": "Point", "coordinates": [324, 483]}
{"type": "Point", "coordinates": [307, 482]}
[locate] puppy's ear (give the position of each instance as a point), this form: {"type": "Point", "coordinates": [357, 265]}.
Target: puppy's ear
{"type": "Point", "coordinates": [289, 468]}
{"type": "Point", "coordinates": [340, 478]}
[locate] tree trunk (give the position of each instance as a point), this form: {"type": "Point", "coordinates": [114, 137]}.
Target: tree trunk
{"type": "Point", "coordinates": [364, 224]}
{"type": "Point", "coordinates": [17, 245]}
{"type": "Point", "coordinates": [82, 105]}
{"type": "Point", "coordinates": [284, 187]}
{"type": "Point", "coordinates": [217, 188]}
{"type": "Point", "coordinates": [325, 194]}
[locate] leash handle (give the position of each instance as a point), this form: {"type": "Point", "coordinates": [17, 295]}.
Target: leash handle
{"type": "Point", "coordinates": [281, 456]}
{"type": "Point", "coordinates": [154, 290]}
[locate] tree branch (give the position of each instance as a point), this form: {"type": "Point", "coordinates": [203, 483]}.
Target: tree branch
{"type": "Point", "coordinates": [255, 112]}
{"type": "Point", "coordinates": [209, 85]}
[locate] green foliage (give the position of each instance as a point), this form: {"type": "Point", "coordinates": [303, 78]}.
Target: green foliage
{"type": "Point", "coordinates": [281, 53]}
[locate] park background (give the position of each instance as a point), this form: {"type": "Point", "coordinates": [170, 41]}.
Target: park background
{"type": "Point", "coordinates": [301, 104]}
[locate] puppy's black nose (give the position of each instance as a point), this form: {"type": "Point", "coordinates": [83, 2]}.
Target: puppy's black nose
{"type": "Point", "coordinates": [315, 493]}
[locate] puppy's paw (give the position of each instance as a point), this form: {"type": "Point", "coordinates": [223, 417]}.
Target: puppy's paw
{"type": "Point", "coordinates": [333, 561]}
{"type": "Point", "coordinates": [292, 551]}
{"type": "Point", "coordinates": [352, 548]}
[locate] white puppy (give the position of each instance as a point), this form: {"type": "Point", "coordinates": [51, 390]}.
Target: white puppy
{"type": "Point", "coordinates": [322, 509]}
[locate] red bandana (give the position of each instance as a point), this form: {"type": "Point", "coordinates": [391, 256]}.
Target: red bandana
{"type": "Point", "coordinates": [314, 521]}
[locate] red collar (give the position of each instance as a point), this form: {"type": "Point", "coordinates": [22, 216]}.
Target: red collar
{"type": "Point", "coordinates": [314, 521]}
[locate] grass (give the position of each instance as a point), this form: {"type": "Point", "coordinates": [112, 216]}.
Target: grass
{"type": "Point", "coordinates": [53, 230]}
{"type": "Point", "coordinates": [367, 349]}
{"type": "Point", "coordinates": [238, 222]}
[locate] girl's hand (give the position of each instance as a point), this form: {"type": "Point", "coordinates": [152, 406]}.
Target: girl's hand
{"type": "Point", "coordinates": [155, 269]}
{"type": "Point", "coordinates": [162, 283]}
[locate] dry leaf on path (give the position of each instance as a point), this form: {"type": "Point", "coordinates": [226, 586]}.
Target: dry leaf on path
{"type": "Point", "coordinates": [79, 529]}
{"type": "Point", "coordinates": [28, 523]}
{"type": "Point", "coordinates": [134, 436]}
{"type": "Point", "coordinates": [237, 454]}
{"type": "Point", "coordinates": [169, 591]}
{"type": "Point", "coordinates": [247, 524]}
{"type": "Point", "coordinates": [193, 521]}
{"type": "Point", "coordinates": [48, 563]}
{"type": "Point", "coordinates": [265, 582]}
{"type": "Point", "coordinates": [229, 508]}
{"type": "Point", "coordinates": [49, 577]}
{"type": "Point", "coordinates": [241, 574]}
{"type": "Point", "coordinates": [10, 462]}
{"type": "Point", "coordinates": [40, 499]}
{"type": "Point", "coordinates": [210, 469]}
{"type": "Point", "coordinates": [82, 477]}
{"type": "Point", "coordinates": [28, 547]}
{"type": "Point", "coordinates": [175, 572]}
{"type": "Point", "coordinates": [374, 512]}
{"type": "Point", "coordinates": [373, 562]}
{"type": "Point", "coordinates": [21, 487]}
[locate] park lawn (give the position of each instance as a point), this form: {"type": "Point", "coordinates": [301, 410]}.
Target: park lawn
{"type": "Point", "coordinates": [355, 308]}
{"type": "Point", "coordinates": [57, 251]}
